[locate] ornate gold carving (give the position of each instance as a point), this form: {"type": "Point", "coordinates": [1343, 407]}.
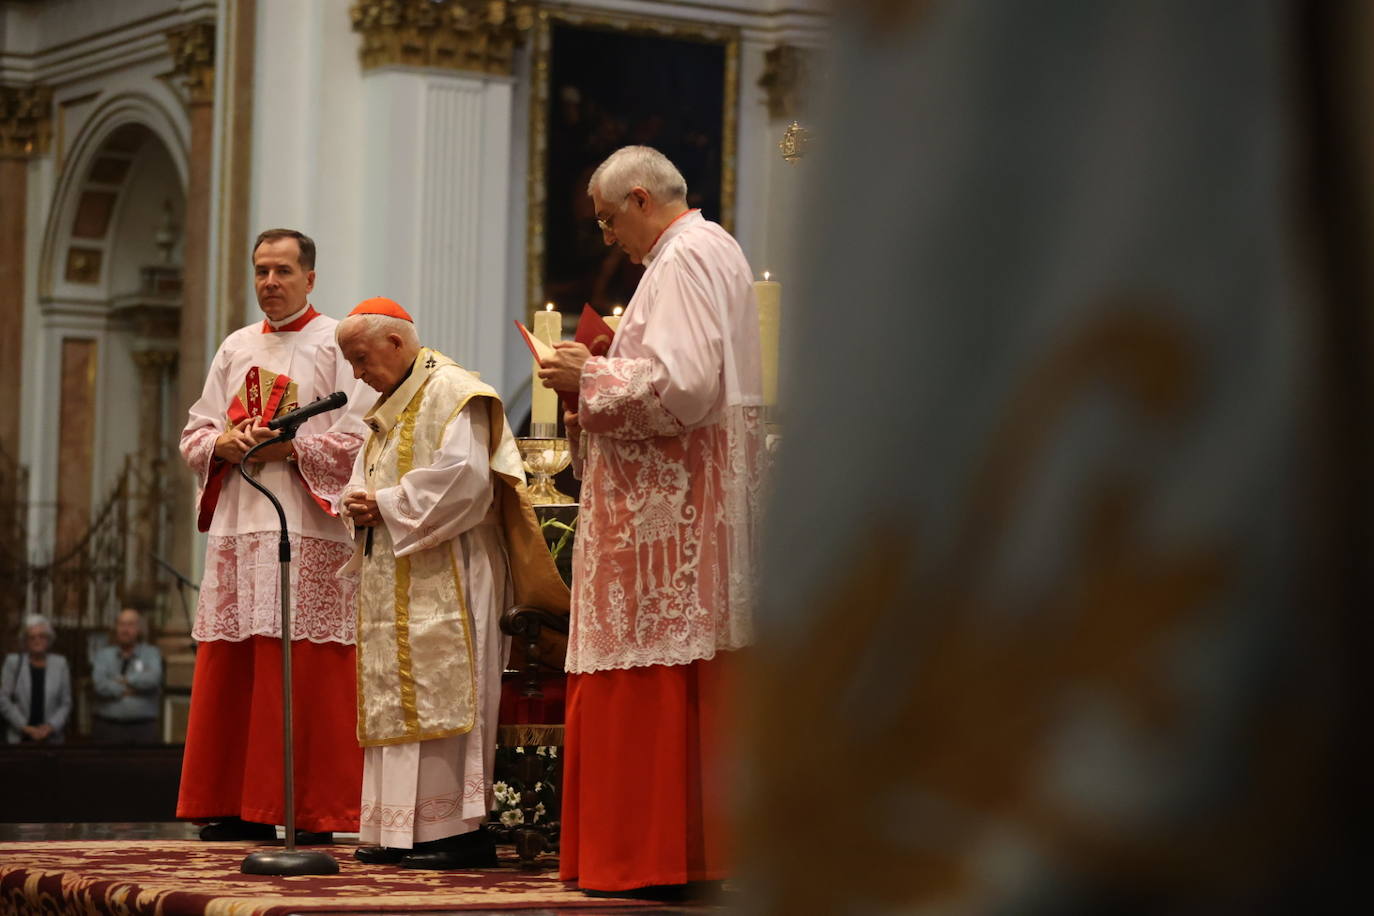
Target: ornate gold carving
{"type": "Point", "coordinates": [83, 265]}
{"type": "Point", "coordinates": [25, 121]}
{"type": "Point", "coordinates": [787, 72]}
{"type": "Point", "coordinates": [149, 321]}
{"type": "Point", "coordinates": [478, 36]}
{"type": "Point", "coordinates": [794, 142]}
{"type": "Point", "coordinates": [193, 60]}
{"type": "Point", "coordinates": [154, 363]}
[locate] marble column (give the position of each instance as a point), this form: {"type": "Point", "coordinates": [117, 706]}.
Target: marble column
{"type": "Point", "coordinates": [438, 98]}
{"type": "Point", "coordinates": [193, 54]}
{"type": "Point", "coordinates": [25, 131]}
{"type": "Point", "coordinates": [192, 49]}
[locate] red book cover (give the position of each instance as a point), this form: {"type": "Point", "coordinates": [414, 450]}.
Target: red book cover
{"type": "Point", "coordinates": [538, 349]}
{"type": "Point", "coordinates": [593, 332]}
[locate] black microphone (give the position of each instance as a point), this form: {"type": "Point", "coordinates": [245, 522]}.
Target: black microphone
{"type": "Point", "coordinates": [298, 416]}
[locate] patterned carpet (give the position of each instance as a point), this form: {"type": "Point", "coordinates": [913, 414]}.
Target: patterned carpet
{"type": "Point", "coordinates": [189, 878]}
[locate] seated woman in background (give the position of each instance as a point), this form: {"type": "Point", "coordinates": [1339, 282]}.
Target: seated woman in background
{"type": "Point", "coordinates": [35, 688]}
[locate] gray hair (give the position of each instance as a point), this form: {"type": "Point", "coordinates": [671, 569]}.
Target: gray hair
{"type": "Point", "coordinates": [38, 620]}
{"type": "Point", "coordinates": [633, 167]}
{"type": "Point", "coordinates": [375, 326]}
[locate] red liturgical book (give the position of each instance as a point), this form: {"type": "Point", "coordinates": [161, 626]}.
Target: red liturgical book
{"type": "Point", "coordinates": [264, 395]}
{"type": "Point", "coordinates": [592, 332]}
{"type": "Point", "coordinates": [540, 350]}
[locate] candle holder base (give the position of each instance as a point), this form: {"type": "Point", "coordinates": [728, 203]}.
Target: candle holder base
{"type": "Point", "coordinates": [544, 457]}
{"type": "Point", "coordinates": [544, 493]}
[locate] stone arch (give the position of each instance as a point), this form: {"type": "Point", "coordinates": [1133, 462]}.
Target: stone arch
{"type": "Point", "coordinates": [109, 302]}
{"type": "Point", "coordinates": [123, 133]}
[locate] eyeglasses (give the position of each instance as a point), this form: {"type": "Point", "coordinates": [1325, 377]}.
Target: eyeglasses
{"type": "Point", "coordinates": [605, 225]}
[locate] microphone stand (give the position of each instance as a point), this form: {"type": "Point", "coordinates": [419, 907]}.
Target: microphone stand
{"type": "Point", "coordinates": [290, 860]}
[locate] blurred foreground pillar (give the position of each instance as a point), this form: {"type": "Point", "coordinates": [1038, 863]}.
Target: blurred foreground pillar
{"type": "Point", "coordinates": [1068, 536]}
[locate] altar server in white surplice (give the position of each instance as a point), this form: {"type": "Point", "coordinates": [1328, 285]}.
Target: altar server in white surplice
{"type": "Point", "coordinates": [446, 541]}
{"type": "Point", "coordinates": [663, 567]}
{"type": "Point", "coordinates": [232, 774]}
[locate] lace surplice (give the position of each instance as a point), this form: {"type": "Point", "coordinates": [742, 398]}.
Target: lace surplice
{"type": "Point", "coordinates": [240, 588]}
{"type": "Point", "coordinates": [664, 561]}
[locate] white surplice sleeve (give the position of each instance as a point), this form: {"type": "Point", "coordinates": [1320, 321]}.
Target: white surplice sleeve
{"type": "Point", "coordinates": [206, 420]}
{"type": "Point", "coordinates": [673, 382]}
{"type": "Point", "coordinates": [439, 502]}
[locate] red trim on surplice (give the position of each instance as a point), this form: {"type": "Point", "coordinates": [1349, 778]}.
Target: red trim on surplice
{"type": "Point", "coordinates": [310, 315]}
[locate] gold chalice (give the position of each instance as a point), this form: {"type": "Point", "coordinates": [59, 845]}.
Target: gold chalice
{"type": "Point", "coordinates": [544, 457]}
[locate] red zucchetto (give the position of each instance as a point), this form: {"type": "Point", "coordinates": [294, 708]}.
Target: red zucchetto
{"type": "Point", "coordinates": [380, 305]}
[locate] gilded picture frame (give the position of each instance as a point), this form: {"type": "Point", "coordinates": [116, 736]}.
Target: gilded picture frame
{"type": "Point", "coordinates": [621, 65]}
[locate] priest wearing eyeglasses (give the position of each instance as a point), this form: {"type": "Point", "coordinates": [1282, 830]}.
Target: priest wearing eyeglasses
{"type": "Point", "coordinates": [668, 440]}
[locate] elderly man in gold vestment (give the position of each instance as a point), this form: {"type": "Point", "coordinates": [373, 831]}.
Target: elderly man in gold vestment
{"type": "Point", "coordinates": [446, 541]}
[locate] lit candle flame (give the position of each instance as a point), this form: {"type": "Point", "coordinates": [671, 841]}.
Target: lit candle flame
{"type": "Point", "coordinates": [617, 310]}
{"type": "Point", "coordinates": [548, 306]}
{"type": "Point", "coordinates": [765, 275]}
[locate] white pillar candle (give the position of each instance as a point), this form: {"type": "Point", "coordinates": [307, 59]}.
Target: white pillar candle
{"type": "Point", "coordinates": [548, 327]}
{"type": "Point", "coordinates": [769, 295]}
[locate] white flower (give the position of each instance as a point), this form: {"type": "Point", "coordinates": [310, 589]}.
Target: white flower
{"type": "Point", "coordinates": [542, 751]}
{"type": "Point", "coordinates": [519, 749]}
{"type": "Point", "coordinates": [539, 812]}
{"type": "Point", "coordinates": [500, 790]}
{"type": "Point", "coordinates": [538, 787]}
{"type": "Point", "coordinates": [512, 817]}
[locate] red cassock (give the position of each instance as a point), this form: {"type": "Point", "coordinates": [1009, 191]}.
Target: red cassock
{"type": "Point", "coordinates": [644, 797]}
{"type": "Point", "coordinates": [233, 759]}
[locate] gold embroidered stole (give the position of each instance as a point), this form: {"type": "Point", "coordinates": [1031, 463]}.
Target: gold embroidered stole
{"type": "Point", "coordinates": [416, 672]}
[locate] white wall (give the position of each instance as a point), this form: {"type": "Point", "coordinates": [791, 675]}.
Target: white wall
{"type": "Point", "coordinates": [308, 138]}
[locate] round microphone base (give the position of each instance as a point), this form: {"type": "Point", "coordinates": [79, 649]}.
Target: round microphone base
{"type": "Point", "coordinates": [290, 862]}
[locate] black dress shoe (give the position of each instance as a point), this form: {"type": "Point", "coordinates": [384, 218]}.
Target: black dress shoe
{"type": "Point", "coordinates": [232, 829]}
{"type": "Point", "coordinates": [660, 893]}
{"type": "Point", "coordinates": [468, 850]}
{"type": "Point", "coordinates": [314, 838]}
{"type": "Point", "coordinates": [380, 855]}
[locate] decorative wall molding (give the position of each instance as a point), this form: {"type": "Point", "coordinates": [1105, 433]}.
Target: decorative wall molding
{"type": "Point", "coordinates": [193, 60]}
{"type": "Point", "coordinates": [794, 142]}
{"type": "Point", "coordinates": [475, 36]}
{"type": "Point", "coordinates": [788, 73]}
{"type": "Point", "coordinates": [25, 121]}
